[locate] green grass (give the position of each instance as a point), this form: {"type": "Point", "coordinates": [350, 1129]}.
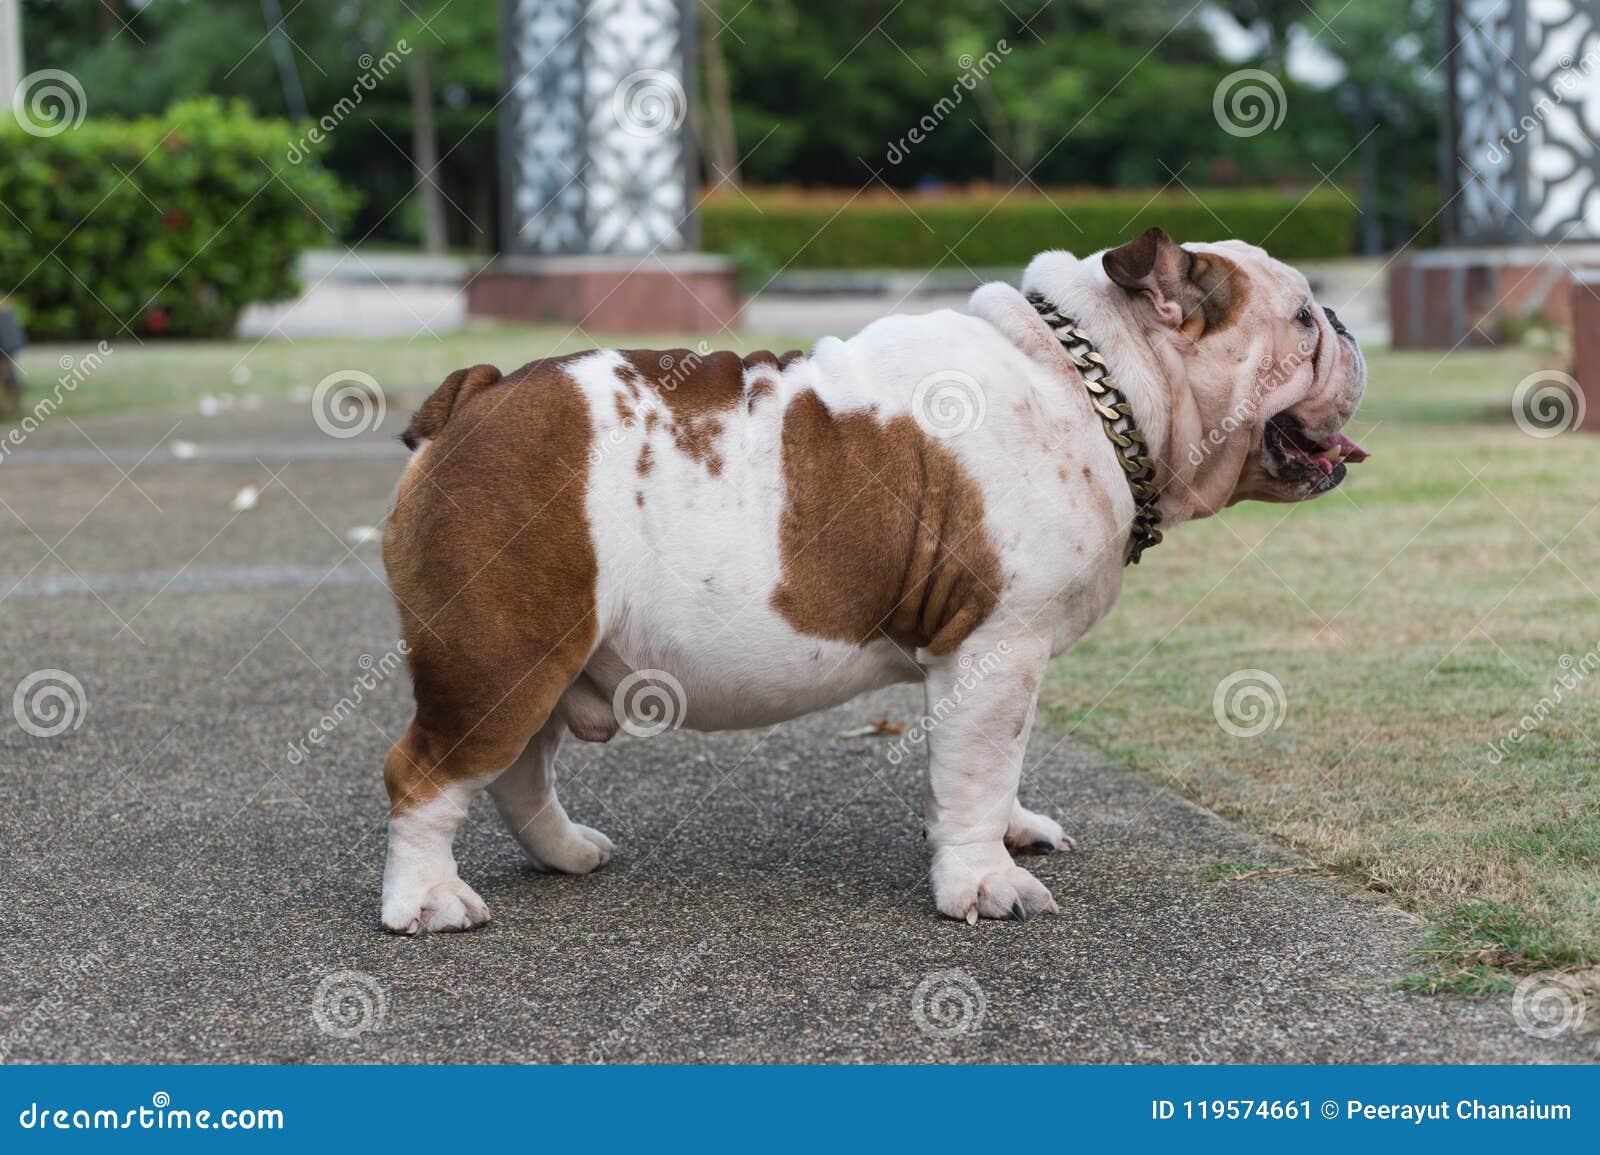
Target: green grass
{"type": "Point", "coordinates": [176, 374]}
{"type": "Point", "coordinates": [1411, 617]}
{"type": "Point", "coordinates": [1478, 947]}
{"type": "Point", "coordinates": [1238, 870]}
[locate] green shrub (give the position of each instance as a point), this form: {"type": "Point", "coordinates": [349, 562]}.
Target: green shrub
{"type": "Point", "coordinates": [166, 226]}
{"type": "Point", "coordinates": [878, 230]}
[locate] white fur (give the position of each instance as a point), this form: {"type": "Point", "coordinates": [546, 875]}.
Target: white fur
{"type": "Point", "coordinates": [690, 558]}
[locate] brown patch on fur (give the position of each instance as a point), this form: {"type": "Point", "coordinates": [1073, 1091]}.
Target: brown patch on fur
{"type": "Point", "coordinates": [493, 566]}
{"type": "Point", "coordinates": [882, 532]}
{"type": "Point", "coordinates": [638, 498]}
{"type": "Point", "coordinates": [699, 392]}
{"type": "Point", "coordinates": [1209, 289]}
{"type": "Point", "coordinates": [646, 460]}
{"type": "Point", "coordinates": [624, 407]}
{"type": "Point", "coordinates": [1222, 290]}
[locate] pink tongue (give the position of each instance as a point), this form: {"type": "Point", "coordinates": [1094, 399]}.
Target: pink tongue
{"type": "Point", "coordinates": [1351, 451]}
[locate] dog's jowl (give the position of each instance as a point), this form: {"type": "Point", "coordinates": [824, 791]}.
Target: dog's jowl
{"type": "Point", "coordinates": [947, 499]}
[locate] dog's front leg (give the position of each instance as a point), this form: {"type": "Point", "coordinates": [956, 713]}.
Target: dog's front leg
{"type": "Point", "coordinates": [980, 709]}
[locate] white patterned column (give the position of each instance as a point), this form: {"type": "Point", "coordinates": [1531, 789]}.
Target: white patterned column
{"type": "Point", "coordinates": [1525, 109]}
{"type": "Point", "coordinates": [593, 127]}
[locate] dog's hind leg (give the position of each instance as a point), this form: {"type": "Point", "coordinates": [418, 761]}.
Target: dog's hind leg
{"type": "Point", "coordinates": [525, 795]}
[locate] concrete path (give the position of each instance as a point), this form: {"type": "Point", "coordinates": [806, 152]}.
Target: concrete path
{"type": "Point", "coordinates": [184, 884]}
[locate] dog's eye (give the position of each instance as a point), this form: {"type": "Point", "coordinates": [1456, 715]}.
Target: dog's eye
{"type": "Point", "coordinates": [1304, 315]}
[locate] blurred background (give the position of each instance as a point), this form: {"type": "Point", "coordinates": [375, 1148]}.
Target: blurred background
{"type": "Point", "coordinates": [239, 239]}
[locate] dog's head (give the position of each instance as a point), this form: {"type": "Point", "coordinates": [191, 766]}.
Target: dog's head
{"type": "Point", "coordinates": [1262, 377]}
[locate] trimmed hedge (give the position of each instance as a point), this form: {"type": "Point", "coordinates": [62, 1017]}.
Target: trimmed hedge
{"type": "Point", "coordinates": [166, 226]}
{"type": "Point", "coordinates": [878, 230]}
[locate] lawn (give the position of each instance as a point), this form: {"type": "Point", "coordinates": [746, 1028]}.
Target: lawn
{"type": "Point", "coordinates": [179, 374]}
{"type": "Point", "coordinates": [1411, 619]}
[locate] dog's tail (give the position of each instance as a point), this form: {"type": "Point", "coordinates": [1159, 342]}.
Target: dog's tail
{"type": "Point", "coordinates": [452, 391]}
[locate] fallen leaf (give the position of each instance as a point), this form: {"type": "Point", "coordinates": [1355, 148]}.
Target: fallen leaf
{"type": "Point", "coordinates": [879, 727]}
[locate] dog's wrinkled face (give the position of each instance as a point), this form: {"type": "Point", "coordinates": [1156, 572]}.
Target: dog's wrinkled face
{"type": "Point", "coordinates": [1264, 378]}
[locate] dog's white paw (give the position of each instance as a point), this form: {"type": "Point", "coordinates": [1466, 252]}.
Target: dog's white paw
{"type": "Point", "coordinates": [973, 882]}
{"type": "Point", "coordinates": [571, 849]}
{"type": "Point", "coordinates": [445, 906]}
{"type": "Point", "coordinates": [1030, 833]}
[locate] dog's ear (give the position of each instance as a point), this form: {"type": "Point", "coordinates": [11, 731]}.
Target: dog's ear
{"type": "Point", "coordinates": [1195, 292]}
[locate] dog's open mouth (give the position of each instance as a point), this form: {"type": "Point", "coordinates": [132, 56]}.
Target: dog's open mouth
{"type": "Point", "coordinates": [1294, 456]}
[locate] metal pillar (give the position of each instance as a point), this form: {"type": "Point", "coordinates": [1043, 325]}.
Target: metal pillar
{"type": "Point", "coordinates": [594, 146]}
{"type": "Point", "coordinates": [1523, 115]}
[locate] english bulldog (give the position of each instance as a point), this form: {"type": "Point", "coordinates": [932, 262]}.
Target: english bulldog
{"type": "Point", "coordinates": [933, 500]}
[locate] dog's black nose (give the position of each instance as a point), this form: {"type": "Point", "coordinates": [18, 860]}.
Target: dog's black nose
{"type": "Point", "coordinates": [1333, 319]}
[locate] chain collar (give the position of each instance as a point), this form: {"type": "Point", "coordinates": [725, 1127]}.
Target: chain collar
{"type": "Point", "coordinates": [1116, 415]}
